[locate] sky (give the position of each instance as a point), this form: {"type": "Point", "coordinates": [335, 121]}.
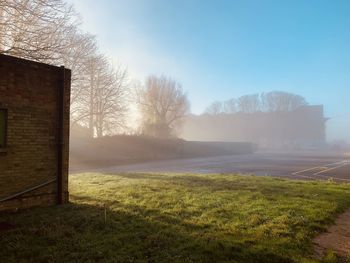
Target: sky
{"type": "Point", "coordinates": [224, 49]}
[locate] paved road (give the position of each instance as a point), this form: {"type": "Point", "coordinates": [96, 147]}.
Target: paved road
{"type": "Point", "coordinates": [302, 165]}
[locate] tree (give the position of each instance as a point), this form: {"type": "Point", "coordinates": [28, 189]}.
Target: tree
{"type": "Point", "coordinates": [274, 101]}
{"type": "Point", "coordinates": [35, 29]}
{"type": "Point", "coordinates": [249, 103]}
{"type": "Point", "coordinates": [215, 108]}
{"type": "Point", "coordinates": [110, 105]}
{"type": "Point", "coordinates": [163, 106]}
{"type": "Point", "coordinates": [47, 31]}
{"type": "Point", "coordinates": [102, 102]}
{"type": "Point", "coordinates": [230, 106]}
{"type": "Point", "coordinates": [76, 58]}
{"type": "Point", "coordinates": [281, 101]}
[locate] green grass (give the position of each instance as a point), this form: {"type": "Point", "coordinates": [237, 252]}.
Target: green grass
{"type": "Point", "coordinates": [176, 218]}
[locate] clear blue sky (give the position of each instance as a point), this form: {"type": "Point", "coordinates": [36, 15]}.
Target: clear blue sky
{"type": "Point", "coordinates": [224, 49]}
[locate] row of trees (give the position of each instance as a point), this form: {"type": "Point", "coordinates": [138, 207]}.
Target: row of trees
{"type": "Point", "coordinates": [48, 31]}
{"type": "Point", "coordinates": [266, 102]}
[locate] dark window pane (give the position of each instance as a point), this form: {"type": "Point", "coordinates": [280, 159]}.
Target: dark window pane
{"type": "Point", "coordinates": [2, 128]}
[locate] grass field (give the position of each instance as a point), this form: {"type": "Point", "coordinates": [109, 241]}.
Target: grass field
{"type": "Point", "coordinates": [176, 218]}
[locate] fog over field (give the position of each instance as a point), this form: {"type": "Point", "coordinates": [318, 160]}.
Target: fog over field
{"type": "Point", "coordinates": [259, 73]}
{"type": "Point", "coordinates": [175, 131]}
{"type": "Point", "coordinates": [338, 128]}
{"type": "Point", "coordinates": [238, 49]}
{"type": "Point", "coordinates": [271, 77]}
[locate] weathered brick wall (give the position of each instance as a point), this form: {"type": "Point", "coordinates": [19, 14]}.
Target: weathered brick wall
{"type": "Point", "coordinates": [30, 93]}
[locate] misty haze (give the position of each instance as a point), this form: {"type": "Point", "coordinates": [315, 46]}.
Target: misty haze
{"type": "Point", "coordinates": [174, 131]}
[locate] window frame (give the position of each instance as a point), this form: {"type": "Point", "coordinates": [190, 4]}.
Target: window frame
{"type": "Point", "coordinates": [5, 128]}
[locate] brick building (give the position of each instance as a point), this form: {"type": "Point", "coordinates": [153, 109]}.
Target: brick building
{"type": "Point", "coordinates": [34, 133]}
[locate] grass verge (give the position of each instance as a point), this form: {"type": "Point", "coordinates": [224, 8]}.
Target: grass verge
{"type": "Point", "coordinates": [176, 218]}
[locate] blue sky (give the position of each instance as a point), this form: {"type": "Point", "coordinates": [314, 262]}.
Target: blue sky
{"type": "Point", "coordinates": [223, 49]}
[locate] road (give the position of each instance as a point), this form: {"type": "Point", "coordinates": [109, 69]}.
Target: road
{"type": "Point", "coordinates": [299, 165]}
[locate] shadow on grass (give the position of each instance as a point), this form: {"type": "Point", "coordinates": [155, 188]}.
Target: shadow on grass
{"type": "Point", "coordinates": [189, 180]}
{"type": "Point", "coordinates": [81, 233]}
{"type": "Point", "coordinates": [269, 187]}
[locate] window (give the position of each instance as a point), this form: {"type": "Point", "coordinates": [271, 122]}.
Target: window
{"type": "Point", "coordinates": [3, 124]}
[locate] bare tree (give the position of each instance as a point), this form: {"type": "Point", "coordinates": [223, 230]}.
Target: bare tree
{"type": "Point", "coordinates": [163, 106]}
{"type": "Point", "coordinates": [110, 106]}
{"type": "Point", "coordinates": [274, 101]}
{"type": "Point", "coordinates": [77, 58]}
{"type": "Point", "coordinates": [215, 108]}
{"type": "Point", "coordinates": [35, 29]}
{"type": "Point", "coordinates": [249, 103]}
{"type": "Point", "coordinates": [230, 106]}
{"type": "Point", "coordinates": [102, 102]}
{"type": "Point", "coordinates": [281, 101]}
{"type": "Point", "coordinates": [47, 31]}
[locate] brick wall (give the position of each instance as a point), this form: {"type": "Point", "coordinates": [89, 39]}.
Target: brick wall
{"type": "Point", "coordinates": [30, 93]}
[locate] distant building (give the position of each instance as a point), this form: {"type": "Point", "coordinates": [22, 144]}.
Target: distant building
{"type": "Point", "coordinates": [301, 128]}
{"type": "Point", "coordinates": [34, 133]}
